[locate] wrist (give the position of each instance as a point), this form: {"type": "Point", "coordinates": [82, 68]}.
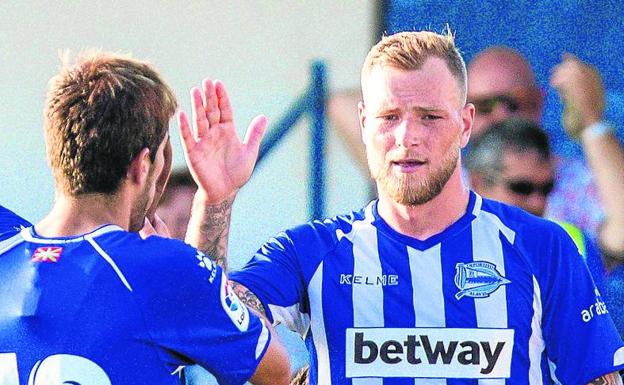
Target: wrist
{"type": "Point", "coordinates": [202, 198]}
{"type": "Point", "coordinates": [596, 130]}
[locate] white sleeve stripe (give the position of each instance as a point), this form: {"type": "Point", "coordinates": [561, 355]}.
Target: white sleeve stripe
{"type": "Point", "coordinates": [618, 357]}
{"type": "Point", "coordinates": [291, 317]}
{"type": "Point", "coordinates": [262, 340]}
{"type": "Point", "coordinates": [108, 259]}
{"type": "Point", "coordinates": [10, 243]}
{"type": "Point", "coordinates": [536, 341]}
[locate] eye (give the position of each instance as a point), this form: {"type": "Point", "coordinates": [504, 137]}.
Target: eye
{"type": "Point", "coordinates": [390, 117]}
{"type": "Point", "coordinates": [431, 117]}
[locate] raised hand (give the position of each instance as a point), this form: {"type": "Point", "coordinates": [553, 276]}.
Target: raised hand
{"type": "Point", "coordinates": [219, 162]}
{"type": "Point", "coordinates": [582, 92]}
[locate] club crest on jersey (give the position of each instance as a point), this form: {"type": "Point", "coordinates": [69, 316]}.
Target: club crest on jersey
{"type": "Point", "coordinates": [477, 279]}
{"type": "Point", "coordinates": [47, 254]}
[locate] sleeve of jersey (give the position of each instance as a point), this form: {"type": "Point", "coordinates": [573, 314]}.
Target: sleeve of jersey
{"type": "Point", "coordinates": [580, 338]}
{"type": "Point", "coordinates": [11, 222]}
{"type": "Point", "coordinates": [202, 321]}
{"type": "Point", "coordinates": [274, 276]}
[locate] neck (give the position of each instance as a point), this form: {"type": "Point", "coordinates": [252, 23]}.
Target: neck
{"type": "Point", "coordinates": [430, 218]}
{"type": "Point", "coordinates": [77, 215]}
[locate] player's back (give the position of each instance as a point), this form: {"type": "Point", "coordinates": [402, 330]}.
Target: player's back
{"type": "Point", "coordinates": [110, 308]}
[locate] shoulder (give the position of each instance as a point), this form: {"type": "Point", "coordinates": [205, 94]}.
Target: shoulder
{"type": "Point", "coordinates": [524, 225]}
{"type": "Point", "coordinates": [545, 246]}
{"type": "Point", "coordinates": [539, 240]}
{"type": "Point", "coordinates": [314, 239]}
{"type": "Point", "coordinates": [324, 232]}
{"type": "Point", "coordinates": [11, 222]}
{"type": "Point", "coordinates": [155, 256]}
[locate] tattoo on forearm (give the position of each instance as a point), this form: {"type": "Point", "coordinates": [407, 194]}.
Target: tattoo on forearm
{"type": "Point", "coordinates": [609, 379]}
{"type": "Point", "coordinates": [210, 235]}
{"type": "Point", "coordinates": [248, 297]}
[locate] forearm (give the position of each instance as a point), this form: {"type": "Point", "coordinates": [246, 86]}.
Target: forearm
{"type": "Point", "coordinates": [609, 379]}
{"type": "Point", "coordinates": [606, 160]}
{"type": "Point", "coordinates": [209, 227]}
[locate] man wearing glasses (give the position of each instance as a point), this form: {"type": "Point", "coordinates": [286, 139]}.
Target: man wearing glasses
{"type": "Point", "coordinates": [501, 84]}
{"type": "Point", "coordinates": [511, 162]}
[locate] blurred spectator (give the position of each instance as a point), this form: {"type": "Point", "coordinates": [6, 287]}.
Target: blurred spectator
{"type": "Point", "coordinates": [175, 205]}
{"type": "Point", "coordinates": [501, 84]}
{"type": "Point", "coordinates": [511, 162]}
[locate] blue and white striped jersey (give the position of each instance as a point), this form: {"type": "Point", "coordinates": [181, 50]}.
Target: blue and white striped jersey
{"type": "Point", "coordinates": [111, 308]}
{"type": "Point", "coordinates": [499, 297]}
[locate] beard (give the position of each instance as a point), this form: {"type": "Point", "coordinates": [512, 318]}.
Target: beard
{"type": "Point", "coordinates": [413, 190]}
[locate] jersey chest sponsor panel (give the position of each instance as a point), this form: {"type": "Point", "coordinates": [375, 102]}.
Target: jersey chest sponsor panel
{"type": "Point", "coordinates": [82, 310]}
{"type": "Point", "coordinates": [389, 302]}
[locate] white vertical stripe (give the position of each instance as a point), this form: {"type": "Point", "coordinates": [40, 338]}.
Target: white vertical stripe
{"type": "Point", "coordinates": [367, 299]}
{"type": "Point", "coordinates": [477, 205]}
{"type": "Point", "coordinates": [486, 246]}
{"type": "Point", "coordinates": [426, 272]}
{"type": "Point", "coordinates": [110, 261]}
{"type": "Point", "coordinates": [315, 294]}
{"type": "Point", "coordinates": [536, 341]}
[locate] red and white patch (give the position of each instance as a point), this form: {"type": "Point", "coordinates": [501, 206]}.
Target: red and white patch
{"type": "Point", "coordinates": [47, 254]}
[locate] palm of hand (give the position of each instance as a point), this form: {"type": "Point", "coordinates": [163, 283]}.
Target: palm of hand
{"type": "Point", "coordinates": [218, 160]}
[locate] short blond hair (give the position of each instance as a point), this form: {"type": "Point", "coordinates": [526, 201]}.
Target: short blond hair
{"type": "Point", "coordinates": [409, 50]}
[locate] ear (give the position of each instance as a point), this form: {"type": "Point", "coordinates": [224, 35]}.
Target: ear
{"type": "Point", "coordinates": [139, 167]}
{"type": "Point", "coordinates": [161, 181]}
{"type": "Point", "coordinates": [362, 116]}
{"type": "Point", "coordinates": [467, 117]}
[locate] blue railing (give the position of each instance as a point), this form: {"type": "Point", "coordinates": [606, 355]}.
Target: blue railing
{"type": "Point", "coordinates": [312, 104]}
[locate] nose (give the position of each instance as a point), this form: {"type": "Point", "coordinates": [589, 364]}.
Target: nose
{"type": "Point", "coordinates": [407, 133]}
{"type": "Point", "coordinates": [500, 112]}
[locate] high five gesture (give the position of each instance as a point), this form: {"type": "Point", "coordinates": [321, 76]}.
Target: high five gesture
{"type": "Point", "coordinates": [220, 164]}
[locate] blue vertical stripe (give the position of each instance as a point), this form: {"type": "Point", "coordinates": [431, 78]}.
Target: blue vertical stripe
{"type": "Point", "coordinates": [459, 313]}
{"type": "Point", "coordinates": [337, 300]}
{"type": "Point", "coordinates": [397, 299]}
{"type": "Point", "coordinates": [519, 301]}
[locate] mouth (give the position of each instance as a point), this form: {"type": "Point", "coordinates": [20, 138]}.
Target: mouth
{"type": "Point", "coordinates": [408, 165]}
